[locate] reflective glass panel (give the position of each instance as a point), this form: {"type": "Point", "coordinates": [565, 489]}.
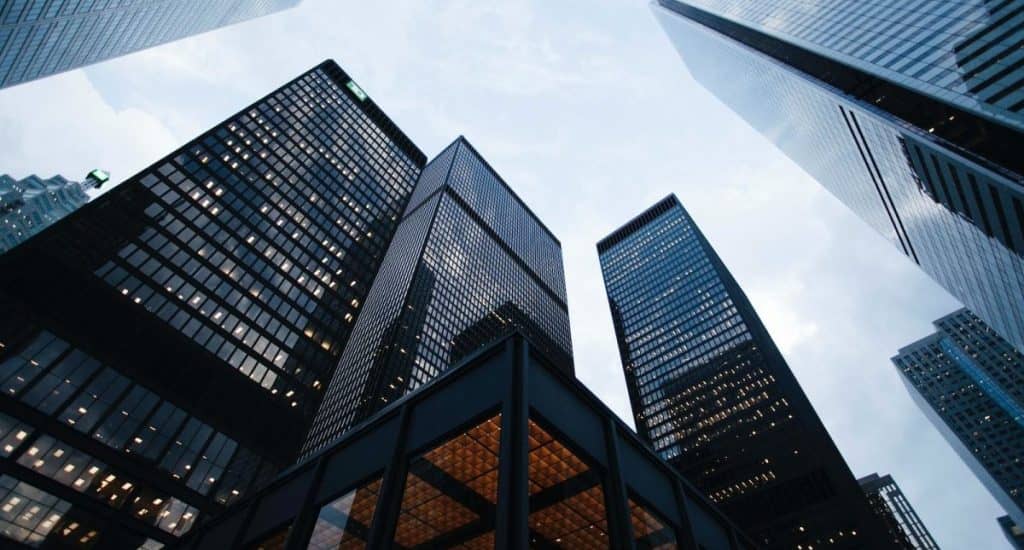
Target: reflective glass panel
{"type": "Point", "coordinates": [37, 519]}
{"type": "Point", "coordinates": [344, 523]}
{"type": "Point", "coordinates": [451, 492]}
{"type": "Point", "coordinates": [566, 499]}
{"type": "Point", "coordinates": [650, 532]}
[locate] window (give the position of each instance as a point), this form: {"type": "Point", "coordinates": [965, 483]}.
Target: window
{"type": "Point", "coordinates": [566, 498]}
{"type": "Point", "coordinates": [345, 521]}
{"type": "Point", "coordinates": [12, 434]}
{"type": "Point", "coordinates": [650, 532]}
{"type": "Point", "coordinates": [451, 492]}
{"type": "Point", "coordinates": [30, 515]}
{"type": "Point", "coordinates": [273, 541]}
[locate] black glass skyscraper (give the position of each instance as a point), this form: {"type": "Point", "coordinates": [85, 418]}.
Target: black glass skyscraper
{"type": "Point", "coordinates": [469, 263]}
{"type": "Point", "coordinates": [909, 112]}
{"type": "Point", "coordinates": [889, 503]}
{"type": "Point", "coordinates": [969, 382]}
{"type": "Point", "coordinates": [713, 395]}
{"type": "Point", "coordinates": [165, 347]}
{"type": "Point", "coordinates": [43, 37]}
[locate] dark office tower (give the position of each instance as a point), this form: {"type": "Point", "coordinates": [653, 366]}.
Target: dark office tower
{"type": "Point", "coordinates": [29, 205]}
{"type": "Point", "coordinates": [889, 503]}
{"type": "Point", "coordinates": [43, 37]}
{"type": "Point", "coordinates": [164, 348]}
{"type": "Point", "coordinates": [506, 451]}
{"type": "Point", "coordinates": [904, 110]}
{"type": "Point", "coordinates": [713, 395]}
{"type": "Point", "coordinates": [969, 382]}
{"type": "Point", "coordinates": [1014, 533]}
{"type": "Point", "coordinates": [469, 263]}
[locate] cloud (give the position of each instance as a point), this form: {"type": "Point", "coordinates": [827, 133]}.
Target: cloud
{"type": "Point", "coordinates": [62, 125]}
{"type": "Point", "coordinates": [590, 116]}
{"type": "Point", "coordinates": [791, 329]}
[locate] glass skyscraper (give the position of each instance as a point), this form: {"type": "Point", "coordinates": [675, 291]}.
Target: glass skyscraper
{"type": "Point", "coordinates": [713, 395]}
{"type": "Point", "coordinates": [1014, 533]}
{"type": "Point", "coordinates": [889, 503]}
{"type": "Point", "coordinates": [29, 205]}
{"type": "Point", "coordinates": [969, 382]}
{"type": "Point", "coordinates": [43, 37]}
{"type": "Point", "coordinates": [164, 348]}
{"type": "Point", "coordinates": [907, 111]}
{"type": "Point", "coordinates": [469, 263]}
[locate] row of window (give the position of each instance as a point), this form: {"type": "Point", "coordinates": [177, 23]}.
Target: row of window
{"type": "Point", "coordinates": [77, 390]}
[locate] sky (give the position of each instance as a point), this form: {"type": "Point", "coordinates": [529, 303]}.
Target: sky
{"type": "Point", "coordinates": [588, 113]}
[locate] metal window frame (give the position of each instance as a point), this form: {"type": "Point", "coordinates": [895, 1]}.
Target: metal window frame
{"type": "Point", "coordinates": [506, 377]}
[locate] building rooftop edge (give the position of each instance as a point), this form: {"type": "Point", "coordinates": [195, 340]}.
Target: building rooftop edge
{"type": "Point", "coordinates": [915, 345]}
{"type": "Point", "coordinates": [950, 315]}
{"type": "Point", "coordinates": [373, 110]}
{"type": "Point", "coordinates": [463, 140]}
{"type": "Point", "coordinates": [633, 225]}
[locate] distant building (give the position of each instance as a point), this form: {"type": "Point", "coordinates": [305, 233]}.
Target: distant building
{"type": "Point", "coordinates": [164, 348]}
{"type": "Point", "coordinates": [713, 395]}
{"type": "Point", "coordinates": [470, 262]}
{"type": "Point", "coordinates": [970, 383]}
{"type": "Point", "coordinates": [32, 204]}
{"type": "Point", "coordinates": [39, 38]}
{"type": "Point", "coordinates": [1014, 533]}
{"type": "Point", "coordinates": [504, 450]}
{"type": "Point", "coordinates": [903, 110]}
{"type": "Point", "coordinates": [890, 504]}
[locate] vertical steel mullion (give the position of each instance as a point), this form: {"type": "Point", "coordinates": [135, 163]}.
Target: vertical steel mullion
{"type": "Point", "coordinates": [239, 537]}
{"type": "Point", "coordinates": [619, 526]}
{"type": "Point", "coordinates": [734, 539]}
{"type": "Point", "coordinates": [687, 538]}
{"type": "Point", "coordinates": [305, 519]}
{"type": "Point", "coordinates": [389, 503]}
{"type": "Point", "coordinates": [511, 528]}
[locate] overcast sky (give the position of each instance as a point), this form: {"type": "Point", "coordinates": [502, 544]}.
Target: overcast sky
{"type": "Point", "coordinates": [590, 115]}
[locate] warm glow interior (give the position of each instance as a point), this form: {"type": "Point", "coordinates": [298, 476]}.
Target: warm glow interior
{"type": "Point", "coordinates": [566, 499]}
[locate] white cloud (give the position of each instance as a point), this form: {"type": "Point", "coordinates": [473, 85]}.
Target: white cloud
{"type": "Point", "coordinates": [589, 114]}
{"type": "Point", "coordinates": [61, 125]}
{"type": "Point", "coordinates": [775, 307]}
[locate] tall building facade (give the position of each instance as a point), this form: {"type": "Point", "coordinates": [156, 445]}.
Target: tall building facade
{"type": "Point", "coordinates": [164, 348]}
{"type": "Point", "coordinates": [1014, 533]}
{"type": "Point", "coordinates": [29, 205]}
{"type": "Point", "coordinates": [712, 394]}
{"type": "Point", "coordinates": [969, 382]}
{"type": "Point", "coordinates": [889, 503]}
{"type": "Point", "coordinates": [43, 37]}
{"type": "Point", "coordinates": [469, 263]}
{"type": "Point", "coordinates": [902, 110]}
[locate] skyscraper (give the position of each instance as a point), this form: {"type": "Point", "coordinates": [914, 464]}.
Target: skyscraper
{"type": "Point", "coordinates": [902, 110]}
{"type": "Point", "coordinates": [469, 263]}
{"type": "Point", "coordinates": [29, 205]}
{"type": "Point", "coordinates": [1014, 534]}
{"type": "Point", "coordinates": [713, 395]}
{"type": "Point", "coordinates": [969, 382]}
{"type": "Point", "coordinates": [506, 451]}
{"type": "Point", "coordinates": [43, 37]}
{"type": "Point", "coordinates": [889, 503]}
{"type": "Point", "coordinates": [164, 348]}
